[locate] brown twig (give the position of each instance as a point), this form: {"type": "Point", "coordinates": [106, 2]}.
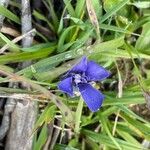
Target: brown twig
{"type": "Point", "coordinates": [50, 132]}
{"type": "Point", "coordinates": [17, 39]}
{"type": "Point", "coordinates": [55, 135]}
{"type": "Point", "coordinates": [26, 97]}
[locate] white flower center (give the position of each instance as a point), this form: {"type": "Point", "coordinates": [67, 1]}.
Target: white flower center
{"type": "Point", "coordinates": [77, 78]}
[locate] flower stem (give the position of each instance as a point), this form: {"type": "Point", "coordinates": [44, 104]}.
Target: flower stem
{"type": "Point", "coordinates": [78, 116]}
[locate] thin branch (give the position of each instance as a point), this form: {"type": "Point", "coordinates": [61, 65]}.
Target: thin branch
{"type": "Point", "coordinates": [26, 23]}
{"type": "Point", "coordinates": [55, 135]}
{"type": "Point", "coordinates": [50, 135]}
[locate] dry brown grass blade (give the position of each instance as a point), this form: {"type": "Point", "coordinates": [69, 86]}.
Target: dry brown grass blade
{"type": "Point", "coordinates": [93, 17]}
{"type": "Point", "coordinates": [5, 47]}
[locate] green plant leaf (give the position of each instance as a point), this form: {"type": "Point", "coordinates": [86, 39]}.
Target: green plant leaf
{"type": "Point", "coordinates": [41, 139]}
{"type": "Point", "coordinates": [113, 10]}
{"type": "Point", "coordinates": [143, 42]}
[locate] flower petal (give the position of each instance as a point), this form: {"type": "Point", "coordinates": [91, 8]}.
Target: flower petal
{"type": "Point", "coordinates": [92, 97]}
{"type": "Point", "coordinates": [96, 72]}
{"type": "Point", "coordinates": [80, 67]}
{"type": "Point", "coordinates": [66, 86]}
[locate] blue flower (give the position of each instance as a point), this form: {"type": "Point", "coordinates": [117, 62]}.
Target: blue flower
{"type": "Point", "coordinates": [80, 78]}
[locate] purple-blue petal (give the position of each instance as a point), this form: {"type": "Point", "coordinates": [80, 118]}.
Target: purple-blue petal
{"type": "Point", "coordinates": [80, 67]}
{"type": "Point", "coordinates": [92, 97]}
{"type": "Point", "coordinates": [96, 72]}
{"type": "Point", "coordinates": [66, 86]}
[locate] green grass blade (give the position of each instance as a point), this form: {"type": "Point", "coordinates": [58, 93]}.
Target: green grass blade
{"type": "Point", "coordinates": [80, 6]}
{"type": "Point", "coordinates": [11, 44]}
{"type": "Point", "coordinates": [20, 57]}
{"type": "Point", "coordinates": [113, 10]}
{"type": "Point", "coordinates": [70, 8]}
{"type": "Point", "coordinates": [8, 14]}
